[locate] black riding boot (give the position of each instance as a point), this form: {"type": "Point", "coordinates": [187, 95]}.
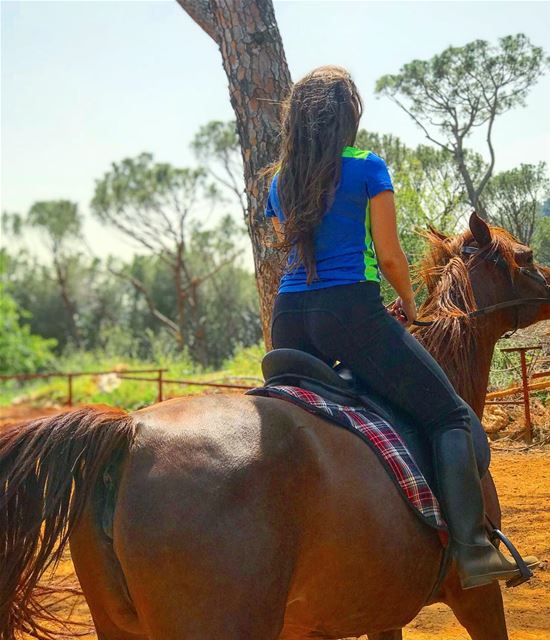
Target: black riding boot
{"type": "Point", "coordinates": [478, 560]}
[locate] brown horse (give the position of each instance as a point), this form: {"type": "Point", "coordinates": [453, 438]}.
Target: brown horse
{"type": "Point", "coordinates": [245, 517]}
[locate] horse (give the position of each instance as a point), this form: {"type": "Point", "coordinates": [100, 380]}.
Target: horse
{"type": "Point", "coordinates": [247, 517]}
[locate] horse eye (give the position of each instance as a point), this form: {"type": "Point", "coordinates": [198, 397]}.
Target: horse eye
{"type": "Point", "coordinates": [526, 257]}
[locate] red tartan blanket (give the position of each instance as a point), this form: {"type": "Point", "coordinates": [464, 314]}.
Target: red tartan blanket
{"type": "Point", "coordinates": [382, 439]}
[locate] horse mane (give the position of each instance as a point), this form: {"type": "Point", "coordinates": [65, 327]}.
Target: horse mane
{"type": "Point", "coordinates": [450, 298]}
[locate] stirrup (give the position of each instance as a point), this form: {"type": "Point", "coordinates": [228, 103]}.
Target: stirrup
{"type": "Point", "coordinates": [525, 572]}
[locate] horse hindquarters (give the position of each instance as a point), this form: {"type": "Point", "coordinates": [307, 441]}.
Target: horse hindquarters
{"type": "Point", "coordinates": [250, 518]}
{"type": "Point", "coordinates": [204, 525]}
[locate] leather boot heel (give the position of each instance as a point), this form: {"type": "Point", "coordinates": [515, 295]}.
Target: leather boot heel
{"type": "Point", "coordinates": [480, 564]}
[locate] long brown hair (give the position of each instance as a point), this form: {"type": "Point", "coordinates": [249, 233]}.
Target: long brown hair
{"type": "Point", "coordinates": [319, 117]}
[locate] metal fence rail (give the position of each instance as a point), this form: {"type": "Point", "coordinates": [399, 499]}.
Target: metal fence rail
{"type": "Point", "coordinates": [127, 374]}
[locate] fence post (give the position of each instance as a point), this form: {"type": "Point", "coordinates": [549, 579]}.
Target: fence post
{"type": "Point", "coordinates": [525, 386]}
{"type": "Point", "coordinates": [526, 398]}
{"type": "Point", "coordinates": [159, 394]}
{"type": "Point", "coordinates": [70, 382]}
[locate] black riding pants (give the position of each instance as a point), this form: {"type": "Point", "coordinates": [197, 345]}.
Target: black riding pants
{"type": "Point", "coordinates": [349, 323]}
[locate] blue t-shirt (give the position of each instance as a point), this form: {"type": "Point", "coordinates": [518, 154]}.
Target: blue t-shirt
{"type": "Point", "coordinates": [344, 250]}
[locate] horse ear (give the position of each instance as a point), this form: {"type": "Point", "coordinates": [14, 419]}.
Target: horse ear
{"type": "Point", "coordinates": [480, 230]}
{"type": "Point", "coordinates": [437, 233]}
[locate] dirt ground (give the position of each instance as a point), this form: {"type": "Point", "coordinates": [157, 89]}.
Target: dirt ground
{"type": "Point", "coordinates": [523, 483]}
{"type": "Point", "coordinates": [522, 476]}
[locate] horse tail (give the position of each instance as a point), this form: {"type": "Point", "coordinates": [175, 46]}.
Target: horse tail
{"type": "Point", "coordinates": [48, 469]}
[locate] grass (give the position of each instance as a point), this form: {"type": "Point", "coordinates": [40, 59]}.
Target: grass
{"type": "Point", "coordinates": [128, 394]}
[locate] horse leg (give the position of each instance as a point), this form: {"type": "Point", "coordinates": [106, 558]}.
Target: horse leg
{"type": "Point", "coordinates": [490, 498]}
{"type": "Point", "coordinates": [480, 610]}
{"type": "Point", "coordinates": [396, 634]}
{"type": "Point", "coordinates": [102, 581]}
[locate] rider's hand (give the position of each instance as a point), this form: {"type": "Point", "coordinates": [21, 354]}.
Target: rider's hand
{"type": "Point", "coordinates": [404, 311]}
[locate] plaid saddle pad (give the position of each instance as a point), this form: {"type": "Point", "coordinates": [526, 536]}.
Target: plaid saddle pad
{"type": "Point", "coordinates": [382, 439]}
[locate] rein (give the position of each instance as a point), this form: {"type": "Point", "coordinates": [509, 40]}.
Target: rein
{"type": "Point", "coordinates": [499, 261]}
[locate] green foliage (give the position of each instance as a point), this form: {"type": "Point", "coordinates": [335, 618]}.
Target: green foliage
{"type": "Point", "coordinates": [20, 350]}
{"type": "Point", "coordinates": [541, 240]}
{"type": "Point", "coordinates": [36, 289]}
{"type": "Point", "coordinates": [147, 200]}
{"type": "Point", "coordinates": [11, 223]}
{"type": "Point", "coordinates": [129, 394]}
{"type": "Point", "coordinates": [59, 220]}
{"type": "Point", "coordinates": [59, 224]}
{"type": "Point", "coordinates": [154, 204]}
{"type": "Point", "coordinates": [513, 199]}
{"type": "Point", "coordinates": [246, 362]}
{"type": "Point", "coordinates": [428, 188]}
{"type": "Point", "coordinates": [216, 140]}
{"type": "Point", "coordinates": [217, 148]}
{"type": "Point", "coordinates": [463, 87]}
{"type": "Point", "coordinates": [114, 318]}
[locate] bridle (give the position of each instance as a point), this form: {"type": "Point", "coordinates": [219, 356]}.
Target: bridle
{"type": "Point", "coordinates": [515, 301]}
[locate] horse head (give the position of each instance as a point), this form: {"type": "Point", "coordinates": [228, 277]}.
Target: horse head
{"type": "Point", "coordinates": [504, 275]}
{"type": "Point", "coordinates": [481, 283]}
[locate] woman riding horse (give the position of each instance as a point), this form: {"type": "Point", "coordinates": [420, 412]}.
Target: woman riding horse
{"type": "Point", "coordinates": [333, 210]}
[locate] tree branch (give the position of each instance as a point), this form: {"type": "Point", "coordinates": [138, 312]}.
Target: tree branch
{"type": "Point", "coordinates": [426, 132]}
{"type": "Point", "coordinates": [201, 13]}
{"type": "Point", "coordinates": [148, 242]}
{"type": "Point", "coordinates": [196, 282]}
{"type": "Point", "coordinates": [139, 286]}
{"type": "Point", "coordinates": [491, 166]}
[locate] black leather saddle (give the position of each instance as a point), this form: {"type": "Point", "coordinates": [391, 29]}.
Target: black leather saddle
{"type": "Point", "coordinates": [340, 385]}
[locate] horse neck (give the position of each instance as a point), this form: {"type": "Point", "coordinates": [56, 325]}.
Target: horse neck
{"type": "Point", "coordinates": [472, 382]}
{"type": "Point", "coordinates": [469, 373]}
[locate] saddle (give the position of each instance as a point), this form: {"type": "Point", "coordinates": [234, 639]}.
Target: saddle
{"type": "Point", "coordinates": [338, 384]}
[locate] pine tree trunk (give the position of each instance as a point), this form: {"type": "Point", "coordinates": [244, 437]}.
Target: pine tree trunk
{"type": "Point", "coordinates": [254, 60]}
{"type": "Point", "coordinates": [68, 303]}
{"type": "Point", "coordinates": [472, 192]}
{"type": "Point", "coordinates": [180, 298]}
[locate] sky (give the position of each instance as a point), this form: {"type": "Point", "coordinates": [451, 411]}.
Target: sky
{"type": "Point", "coordinates": [85, 84]}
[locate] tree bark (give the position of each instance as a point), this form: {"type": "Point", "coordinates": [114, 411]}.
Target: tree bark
{"type": "Point", "coordinates": [180, 295]}
{"type": "Point", "coordinates": [255, 64]}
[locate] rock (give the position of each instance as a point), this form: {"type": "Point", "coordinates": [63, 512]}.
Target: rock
{"type": "Point", "coordinates": [495, 419]}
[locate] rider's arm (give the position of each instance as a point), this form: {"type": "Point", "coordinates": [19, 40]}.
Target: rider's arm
{"type": "Point", "coordinates": [390, 256]}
